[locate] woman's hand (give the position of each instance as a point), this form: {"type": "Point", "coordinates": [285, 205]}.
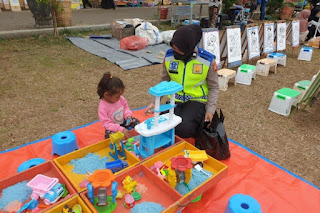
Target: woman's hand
{"type": "Point", "coordinates": [208, 118]}
{"type": "Point", "coordinates": [149, 109]}
{"type": "Point", "coordinates": [126, 133]}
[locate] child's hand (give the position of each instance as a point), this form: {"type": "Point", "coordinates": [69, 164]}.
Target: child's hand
{"type": "Point", "coordinates": [126, 133]}
{"type": "Point", "coordinates": [149, 109]}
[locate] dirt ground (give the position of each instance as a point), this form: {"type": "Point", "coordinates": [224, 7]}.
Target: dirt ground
{"type": "Point", "coordinates": [49, 85]}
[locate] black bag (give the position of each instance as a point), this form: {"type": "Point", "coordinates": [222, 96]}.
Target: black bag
{"type": "Point", "coordinates": [214, 139]}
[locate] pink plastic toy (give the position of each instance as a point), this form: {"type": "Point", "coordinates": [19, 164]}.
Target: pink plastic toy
{"type": "Point", "coordinates": [157, 167]}
{"type": "Point", "coordinates": [129, 200]}
{"type": "Point", "coordinates": [159, 164]}
{"type": "Point", "coordinates": [40, 185]}
{"type": "Point", "coordinates": [46, 188]}
{"type": "Point", "coordinates": [84, 183]}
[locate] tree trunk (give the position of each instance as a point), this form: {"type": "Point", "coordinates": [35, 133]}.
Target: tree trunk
{"type": "Point", "coordinates": [54, 17]}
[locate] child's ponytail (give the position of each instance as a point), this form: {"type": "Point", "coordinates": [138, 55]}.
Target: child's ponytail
{"type": "Point", "coordinates": [110, 84]}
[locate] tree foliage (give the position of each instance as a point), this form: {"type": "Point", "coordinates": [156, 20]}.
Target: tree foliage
{"type": "Point", "coordinates": [226, 4]}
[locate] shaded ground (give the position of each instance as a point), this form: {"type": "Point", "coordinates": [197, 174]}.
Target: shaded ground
{"type": "Point", "coordinates": [49, 85]}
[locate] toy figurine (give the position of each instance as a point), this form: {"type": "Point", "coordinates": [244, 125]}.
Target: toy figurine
{"type": "Point", "coordinates": [129, 184]}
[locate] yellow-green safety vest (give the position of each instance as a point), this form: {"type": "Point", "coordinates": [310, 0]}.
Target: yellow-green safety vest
{"type": "Point", "coordinates": [192, 75]}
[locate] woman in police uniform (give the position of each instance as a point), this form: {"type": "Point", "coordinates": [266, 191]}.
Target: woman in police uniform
{"type": "Point", "coordinates": [195, 69]}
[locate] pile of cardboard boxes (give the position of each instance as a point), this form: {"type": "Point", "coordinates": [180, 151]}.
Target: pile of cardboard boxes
{"type": "Point", "coordinates": [124, 28]}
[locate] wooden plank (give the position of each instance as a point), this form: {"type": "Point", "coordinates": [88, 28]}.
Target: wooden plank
{"type": "Point", "coordinates": [223, 49]}
{"type": "Point", "coordinates": [244, 41]}
{"type": "Point", "coordinates": [261, 37]}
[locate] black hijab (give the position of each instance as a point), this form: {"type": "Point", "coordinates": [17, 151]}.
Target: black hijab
{"type": "Point", "coordinates": [186, 38]}
{"type": "Point", "coordinates": [314, 12]}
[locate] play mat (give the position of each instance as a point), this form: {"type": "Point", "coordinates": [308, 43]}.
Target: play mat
{"type": "Point", "coordinates": [276, 189]}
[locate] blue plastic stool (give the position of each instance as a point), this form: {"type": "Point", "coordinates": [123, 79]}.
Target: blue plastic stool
{"type": "Point", "coordinates": [30, 163]}
{"type": "Point", "coordinates": [64, 142]}
{"type": "Point", "coordinates": [240, 203]}
{"type": "Point", "coordinates": [281, 58]}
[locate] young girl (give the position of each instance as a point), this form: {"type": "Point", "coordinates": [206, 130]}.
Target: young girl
{"type": "Point", "coordinates": [113, 111]}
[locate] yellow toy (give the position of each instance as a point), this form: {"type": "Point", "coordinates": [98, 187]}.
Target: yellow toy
{"type": "Point", "coordinates": [172, 179]}
{"type": "Point", "coordinates": [196, 155]}
{"type": "Point", "coordinates": [120, 194]}
{"type": "Point", "coordinates": [65, 209]}
{"type": "Point", "coordinates": [128, 184]}
{"type": "Point", "coordinates": [116, 145]}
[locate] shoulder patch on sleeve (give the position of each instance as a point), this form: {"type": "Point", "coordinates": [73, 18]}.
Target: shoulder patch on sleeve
{"type": "Point", "coordinates": [214, 66]}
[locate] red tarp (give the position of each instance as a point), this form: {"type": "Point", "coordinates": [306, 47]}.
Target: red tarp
{"type": "Point", "coordinates": [274, 188]}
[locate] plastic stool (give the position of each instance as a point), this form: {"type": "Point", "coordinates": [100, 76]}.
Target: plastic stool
{"type": "Point", "coordinates": [224, 76]}
{"type": "Point", "coordinates": [263, 66]}
{"type": "Point", "coordinates": [30, 163]}
{"type": "Point", "coordinates": [282, 101]}
{"type": "Point", "coordinates": [245, 74]}
{"type": "Point", "coordinates": [301, 86]}
{"type": "Point", "coordinates": [240, 203]}
{"type": "Point", "coordinates": [64, 142]}
{"type": "Point", "coordinates": [281, 58]}
{"type": "Point", "coordinates": [305, 53]}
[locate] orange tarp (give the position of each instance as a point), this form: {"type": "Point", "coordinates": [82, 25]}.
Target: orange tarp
{"type": "Point", "coordinates": [276, 189]}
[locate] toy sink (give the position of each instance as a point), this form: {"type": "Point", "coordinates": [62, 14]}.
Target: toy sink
{"type": "Point", "coordinates": [48, 169]}
{"type": "Point", "coordinates": [151, 188]}
{"type": "Point", "coordinates": [71, 202]}
{"type": "Point", "coordinates": [218, 169]}
{"type": "Point", "coordinates": [102, 149]}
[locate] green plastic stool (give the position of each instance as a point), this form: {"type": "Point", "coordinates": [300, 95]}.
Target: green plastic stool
{"type": "Point", "coordinates": [302, 85]}
{"type": "Point", "coordinates": [282, 101]}
{"type": "Point", "coordinates": [245, 74]}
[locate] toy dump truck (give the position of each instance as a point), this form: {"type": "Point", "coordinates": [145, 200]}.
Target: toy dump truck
{"type": "Point", "coordinates": [116, 165]}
